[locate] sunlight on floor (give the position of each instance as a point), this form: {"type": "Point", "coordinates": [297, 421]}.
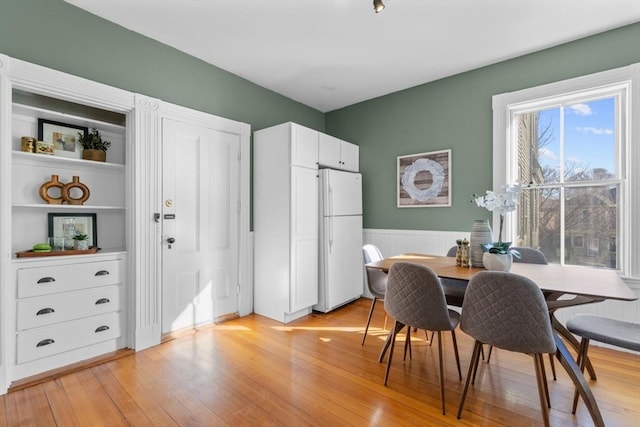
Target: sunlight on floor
{"type": "Point", "coordinates": [231, 328]}
{"type": "Point", "coordinates": [376, 333]}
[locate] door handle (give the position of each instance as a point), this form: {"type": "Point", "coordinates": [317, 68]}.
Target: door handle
{"type": "Point", "coordinates": [171, 241]}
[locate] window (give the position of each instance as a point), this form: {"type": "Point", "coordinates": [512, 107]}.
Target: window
{"type": "Point", "coordinates": [568, 152]}
{"type": "Point", "coordinates": [572, 142]}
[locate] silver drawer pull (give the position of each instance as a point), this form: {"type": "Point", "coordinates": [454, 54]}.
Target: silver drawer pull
{"type": "Point", "coordinates": [102, 301]}
{"type": "Point", "coordinates": [45, 311]}
{"type": "Point", "coordinates": [102, 273]}
{"type": "Point", "coordinates": [102, 329]}
{"type": "Point", "coordinates": [46, 280]}
{"type": "Point", "coordinates": [45, 342]}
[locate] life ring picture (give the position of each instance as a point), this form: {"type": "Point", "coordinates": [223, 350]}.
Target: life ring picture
{"type": "Point", "coordinates": [424, 180]}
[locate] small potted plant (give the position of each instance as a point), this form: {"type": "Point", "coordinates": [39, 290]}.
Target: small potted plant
{"type": "Point", "coordinates": [94, 148]}
{"type": "Point", "coordinates": [81, 241]}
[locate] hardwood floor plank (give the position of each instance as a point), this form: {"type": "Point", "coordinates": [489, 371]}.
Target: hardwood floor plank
{"type": "Point", "coordinates": [61, 407]}
{"type": "Point", "coordinates": [314, 372]}
{"type": "Point", "coordinates": [29, 408]}
{"type": "Point", "coordinates": [124, 402]}
{"type": "Point", "coordinates": [89, 401]}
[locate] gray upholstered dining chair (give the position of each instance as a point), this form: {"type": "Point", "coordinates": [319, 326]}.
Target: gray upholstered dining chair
{"type": "Point", "coordinates": [603, 329]}
{"type": "Point", "coordinates": [376, 281]}
{"type": "Point", "coordinates": [415, 298]}
{"type": "Point", "coordinates": [508, 311]}
{"type": "Point", "coordinates": [529, 256]}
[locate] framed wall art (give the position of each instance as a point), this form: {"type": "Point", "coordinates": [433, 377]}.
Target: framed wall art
{"type": "Point", "coordinates": [63, 136]}
{"type": "Point", "coordinates": [67, 225]}
{"type": "Point", "coordinates": [424, 180]}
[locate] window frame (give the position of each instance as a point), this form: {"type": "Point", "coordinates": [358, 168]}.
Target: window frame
{"type": "Point", "coordinates": [624, 80]}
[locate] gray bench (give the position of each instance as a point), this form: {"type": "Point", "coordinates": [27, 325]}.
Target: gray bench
{"type": "Point", "coordinates": [603, 329]}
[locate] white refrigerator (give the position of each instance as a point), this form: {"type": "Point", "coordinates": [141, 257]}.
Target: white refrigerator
{"type": "Point", "coordinates": [340, 269]}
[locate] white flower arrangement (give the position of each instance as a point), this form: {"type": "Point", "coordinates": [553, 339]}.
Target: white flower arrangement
{"type": "Point", "coordinates": [501, 203]}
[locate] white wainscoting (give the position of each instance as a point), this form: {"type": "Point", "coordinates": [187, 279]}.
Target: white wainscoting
{"type": "Point", "coordinates": [392, 242]}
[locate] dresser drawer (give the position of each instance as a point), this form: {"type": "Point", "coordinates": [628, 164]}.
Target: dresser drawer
{"type": "Point", "coordinates": [67, 277]}
{"type": "Point", "coordinates": [51, 309]}
{"type": "Point", "coordinates": [43, 342]}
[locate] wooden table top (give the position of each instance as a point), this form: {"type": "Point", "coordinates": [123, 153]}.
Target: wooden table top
{"type": "Point", "coordinates": [596, 282]}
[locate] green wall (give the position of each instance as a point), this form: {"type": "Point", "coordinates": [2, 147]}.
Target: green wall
{"type": "Point", "coordinates": [450, 113]}
{"type": "Point", "coordinates": [57, 35]}
{"type": "Point", "coordinates": [456, 113]}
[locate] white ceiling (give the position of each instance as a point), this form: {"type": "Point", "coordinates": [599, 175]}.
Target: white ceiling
{"type": "Point", "coordinates": [328, 54]}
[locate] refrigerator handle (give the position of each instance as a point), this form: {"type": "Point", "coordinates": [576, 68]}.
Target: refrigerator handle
{"type": "Point", "coordinates": [330, 213]}
{"type": "Point", "coordinates": [330, 233]}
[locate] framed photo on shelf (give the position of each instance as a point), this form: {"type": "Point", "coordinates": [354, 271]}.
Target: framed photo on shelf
{"type": "Point", "coordinates": [67, 225]}
{"type": "Point", "coordinates": [424, 180]}
{"type": "Point", "coordinates": [63, 136]}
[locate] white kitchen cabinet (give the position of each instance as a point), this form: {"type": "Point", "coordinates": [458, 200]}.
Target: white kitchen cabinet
{"type": "Point", "coordinates": [335, 153]}
{"type": "Point", "coordinates": [285, 221]}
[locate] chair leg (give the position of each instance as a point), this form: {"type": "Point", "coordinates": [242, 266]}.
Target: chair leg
{"type": "Point", "coordinates": [489, 355]}
{"type": "Point", "coordinates": [441, 371]}
{"type": "Point", "coordinates": [553, 366]}
{"type": "Point", "coordinates": [366, 328]}
{"type": "Point", "coordinates": [581, 361]}
{"type": "Point", "coordinates": [396, 327]}
{"type": "Point", "coordinates": [541, 380]}
{"type": "Point", "coordinates": [455, 351]}
{"type": "Point", "coordinates": [426, 334]}
{"type": "Point", "coordinates": [544, 382]}
{"type": "Point", "coordinates": [475, 368]}
{"type": "Point", "coordinates": [407, 344]}
{"type": "Point", "coordinates": [394, 333]}
{"type": "Point", "coordinates": [475, 358]}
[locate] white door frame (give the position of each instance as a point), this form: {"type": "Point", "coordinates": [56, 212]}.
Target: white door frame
{"type": "Point", "coordinates": [148, 202]}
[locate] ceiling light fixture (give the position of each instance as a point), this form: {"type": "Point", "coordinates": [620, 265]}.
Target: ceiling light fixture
{"type": "Point", "coordinates": [378, 6]}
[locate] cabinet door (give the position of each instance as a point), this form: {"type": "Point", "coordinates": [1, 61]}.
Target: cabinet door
{"type": "Point", "coordinates": [304, 239]}
{"type": "Point", "coordinates": [304, 146]}
{"type": "Point", "coordinates": [329, 151]}
{"type": "Point", "coordinates": [350, 157]}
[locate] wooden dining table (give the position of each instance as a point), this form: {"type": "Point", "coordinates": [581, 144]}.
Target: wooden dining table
{"type": "Point", "coordinates": [599, 284]}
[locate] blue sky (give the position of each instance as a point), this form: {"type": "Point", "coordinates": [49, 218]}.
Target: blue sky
{"type": "Point", "coordinates": [589, 131]}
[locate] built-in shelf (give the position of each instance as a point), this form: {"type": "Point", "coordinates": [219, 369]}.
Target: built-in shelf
{"type": "Point", "coordinates": [32, 159]}
{"type": "Point", "coordinates": [46, 206]}
{"type": "Point", "coordinates": [64, 117]}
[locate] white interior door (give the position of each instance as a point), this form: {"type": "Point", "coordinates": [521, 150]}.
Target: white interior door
{"type": "Point", "coordinates": [200, 224]}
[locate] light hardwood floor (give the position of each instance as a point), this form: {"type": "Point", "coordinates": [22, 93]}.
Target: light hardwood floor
{"type": "Point", "coordinates": [255, 371]}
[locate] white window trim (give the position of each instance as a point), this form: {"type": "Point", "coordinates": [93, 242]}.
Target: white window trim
{"type": "Point", "coordinates": [504, 169]}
